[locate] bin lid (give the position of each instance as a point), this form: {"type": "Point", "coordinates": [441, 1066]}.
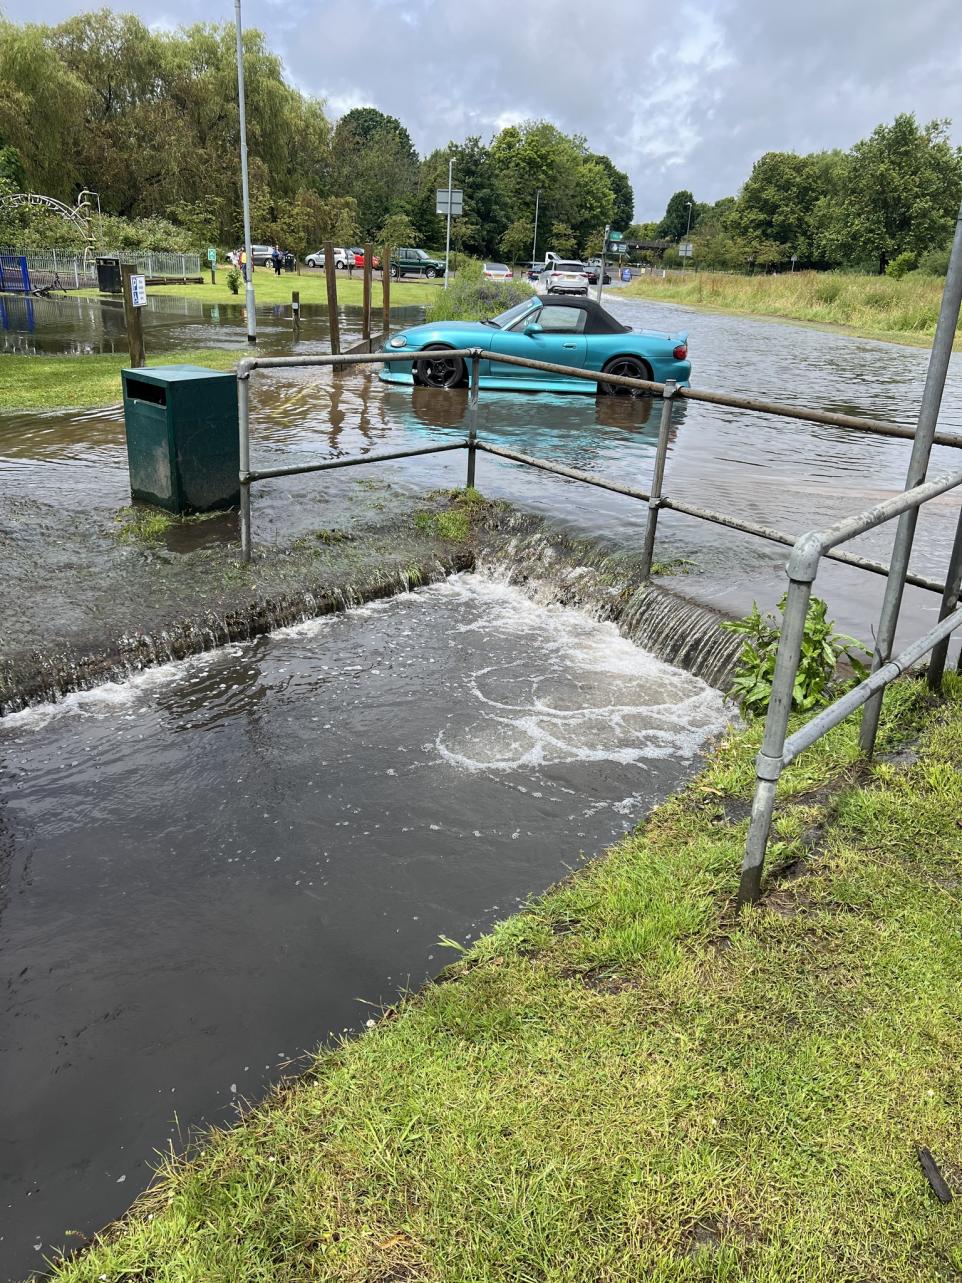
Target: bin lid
{"type": "Point", "coordinates": [176, 373]}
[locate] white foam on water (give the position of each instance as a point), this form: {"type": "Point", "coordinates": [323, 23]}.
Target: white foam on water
{"type": "Point", "coordinates": [577, 690]}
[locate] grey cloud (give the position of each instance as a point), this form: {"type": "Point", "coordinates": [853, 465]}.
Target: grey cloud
{"type": "Point", "coordinates": [685, 95]}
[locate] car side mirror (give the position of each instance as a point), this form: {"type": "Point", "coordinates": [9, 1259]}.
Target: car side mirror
{"type": "Point", "coordinates": [534, 328]}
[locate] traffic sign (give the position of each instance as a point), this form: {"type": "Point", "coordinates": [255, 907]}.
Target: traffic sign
{"type": "Point", "coordinates": [686, 249]}
{"type": "Point", "coordinates": [212, 255]}
{"type": "Point", "coordinates": [616, 236]}
{"type": "Point", "coordinates": [457, 199]}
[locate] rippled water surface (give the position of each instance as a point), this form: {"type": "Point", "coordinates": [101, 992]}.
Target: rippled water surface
{"type": "Point", "coordinates": [207, 868]}
{"type": "Point", "coordinates": [776, 472]}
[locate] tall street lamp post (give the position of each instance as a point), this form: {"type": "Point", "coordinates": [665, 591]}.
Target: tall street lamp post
{"type": "Point", "coordinates": [684, 261]}
{"type": "Point", "coordinates": [245, 187]}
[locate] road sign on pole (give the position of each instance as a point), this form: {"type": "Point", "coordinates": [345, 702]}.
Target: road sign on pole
{"type": "Point", "coordinates": [686, 249]}
{"type": "Point", "coordinates": [457, 201]}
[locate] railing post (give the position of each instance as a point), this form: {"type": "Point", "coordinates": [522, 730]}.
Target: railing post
{"type": "Point", "coordinates": [658, 476]}
{"type": "Point", "coordinates": [244, 441]}
{"type": "Point", "coordinates": [918, 464]}
{"type": "Point", "coordinates": [950, 599]}
{"type": "Point", "coordinates": [473, 419]}
{"type": "Point", "coordinates": [802, 568]}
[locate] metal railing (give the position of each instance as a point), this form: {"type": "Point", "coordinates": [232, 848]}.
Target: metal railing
{"type": "Point", "coordinates": [808, 550]}
{"type": "Point", "coordinates": [69, 269]}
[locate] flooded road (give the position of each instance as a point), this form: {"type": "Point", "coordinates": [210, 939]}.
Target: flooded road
{"type": "Point", "coordinates": [785, 474]}
{"type": "Point", "coordinates": [211, 867]}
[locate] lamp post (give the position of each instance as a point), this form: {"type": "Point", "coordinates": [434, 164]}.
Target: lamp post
{"type": "Point", "coordinates": [245, 187]}
{"type": "Point", "coordinates": [534, 243]}
{"type": "Point", "coordinates": [684, 261]}
{"type": "Point", "coordinates": [447, 247]}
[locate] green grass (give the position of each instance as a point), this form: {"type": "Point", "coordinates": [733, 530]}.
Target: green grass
{"type": "Point", "coordinates": [142, 524]}
{"type": "Point", "coordinates": [81, 382]}
{"type": "Point", "coordinates": [454, 523]}
{"type": "Point", "coordinates": [878, 307]}
{"type": "Point", "coordinates": [627, 1082]}
{"type": "Point", "coordinates": [312, 286]}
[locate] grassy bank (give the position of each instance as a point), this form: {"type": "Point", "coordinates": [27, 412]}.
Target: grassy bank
{"type": "Point", "coordinates": [626, 1082]}
{"type": "Point", "coordinates": [878, 307]}
{"type": "Point", "coordinates": [312, 285]}
{"type": "Point", "coordinates": [83, 382]}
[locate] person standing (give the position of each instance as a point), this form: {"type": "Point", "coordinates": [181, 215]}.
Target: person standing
{"type": "Point", "coordinates": [243, 263]}
{"type": "Point", "coordinates": [277, 258]}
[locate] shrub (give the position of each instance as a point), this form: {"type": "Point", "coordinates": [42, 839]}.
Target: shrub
{"type": "Point", "coordinates": [901, 264]}
{"type": "Point", "coordinates": [234, 280]}
{"type": "Point", "coordinates": [822, 648]}
{"type": "Point", "coordinates": [477, 300]}
{"type": "Point", "coordinates": [935, 262]}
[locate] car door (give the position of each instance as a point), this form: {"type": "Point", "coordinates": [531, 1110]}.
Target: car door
{"type": "Point", "coordinates": [560, 338]}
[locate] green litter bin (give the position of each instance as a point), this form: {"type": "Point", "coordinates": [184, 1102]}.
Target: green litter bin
{"type": "Point", "coordinates": [182, 443]}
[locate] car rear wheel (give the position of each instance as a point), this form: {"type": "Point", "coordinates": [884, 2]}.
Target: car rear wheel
{"type": "Point", "coordinates": [396, 273]}
{"type": "Point", "coordinates": [627, 367]}
{"type": "Point", "coordinates": [439, 370]}
{"type": "Point", "coordinates": [430, 273]}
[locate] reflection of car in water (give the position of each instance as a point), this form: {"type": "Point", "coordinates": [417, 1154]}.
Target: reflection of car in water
{"type": "Point", "coordinates": [575, 332]}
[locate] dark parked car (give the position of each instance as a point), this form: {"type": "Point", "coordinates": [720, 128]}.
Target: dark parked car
{"type": "Point", "coordinates": [414, 262]}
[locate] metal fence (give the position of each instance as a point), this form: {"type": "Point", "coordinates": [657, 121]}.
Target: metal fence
{"type": "Point", "coordinates": [69, 269]}
{"type": "Point", "coordinates": [808, 550]}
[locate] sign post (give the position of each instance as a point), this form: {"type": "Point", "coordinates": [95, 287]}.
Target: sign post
{"type": "Point", "coordinates": [450, 200]}
{"type": "Point", "coordinates": [212, 260]}
{"type": "Point", "coordinates": [135, 298]}
{"type": "Point", "coordinates": [601, 272]}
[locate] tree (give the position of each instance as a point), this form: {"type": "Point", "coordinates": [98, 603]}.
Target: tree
{"type": "Point", "coordinates": [396, 232]}
{"type": "Point", "coordinates": [675, 222]}
{"type": "Point", "coordinates": [595, 201]}
{"type": "Point", "coordinates": [375, 163]}
{"type": "Point", "coordinates": [779, 202]}
{"type": "Point", "coordinates": [480, 227]}
{"type": "Point", "coordinates": [563, 239]}
{"type": "Point", "coordinates": [623, 209]}
{"type": "Point", "coordinates": [516, 240]}
{"type": "Point", "coordinates": [899, 193]}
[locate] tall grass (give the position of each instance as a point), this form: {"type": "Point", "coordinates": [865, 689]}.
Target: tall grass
{"type": "Point", "coordinates": [873, 305]}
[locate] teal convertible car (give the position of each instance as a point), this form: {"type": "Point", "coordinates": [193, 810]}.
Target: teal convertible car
{"type": "Point", "coordinates": [566, 331]}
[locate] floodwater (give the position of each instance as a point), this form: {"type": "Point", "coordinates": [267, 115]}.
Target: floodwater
{"type": "Point", "coordinates": [781, 473]}
{"type": "Point", "coordinates": [72, 326]}
{"type": "Point", "coordinates": [211, 867]}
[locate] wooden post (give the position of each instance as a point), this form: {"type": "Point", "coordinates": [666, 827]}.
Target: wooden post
{"type": "Point", "coordinates": [213, 273]}
{"type": "Point", "coordinates": [386, 291]}
{"type": "Point", "coordinates": [296, 307]}
{"type": "Point", "coordinates": [366, 317]}
{"type": "Point", "coordinates": [135, 322]}
{"type": "Point", "coordinates": [329, 272]}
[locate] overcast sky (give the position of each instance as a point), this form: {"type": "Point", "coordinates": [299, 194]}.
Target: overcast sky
{"type": "Point", "coordinates": [684, 94]}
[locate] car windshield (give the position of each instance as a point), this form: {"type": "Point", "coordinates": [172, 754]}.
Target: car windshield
{"type": "Point", "coordinates": [569, 267]}
{"type": "Point", "coordinates": [419, 253]}
{"type": "Point", "coordinates": [496, 267]}
{"type": "Point", "coordinates": [512, 314]}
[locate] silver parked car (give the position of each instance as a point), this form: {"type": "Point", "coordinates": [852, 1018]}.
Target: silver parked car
{"type": "Point", "coordinates": [341, 258]}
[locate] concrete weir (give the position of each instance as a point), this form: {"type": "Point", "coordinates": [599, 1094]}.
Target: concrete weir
{"type": "Point", "coordinates": [365, 565]}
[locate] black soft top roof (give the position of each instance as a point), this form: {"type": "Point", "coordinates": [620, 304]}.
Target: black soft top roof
{"type": "Point", "coordinates": [597, 321]}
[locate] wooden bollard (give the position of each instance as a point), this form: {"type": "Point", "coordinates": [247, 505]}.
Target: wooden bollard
{"type": "Point", "coordinates": [296, 307]}
{"type": "Point", "coordinates": [329, 272]}
{"type": "Point", "coordinates": [386, 290]}
{"type": "Point", "coordinates": [366, 313]}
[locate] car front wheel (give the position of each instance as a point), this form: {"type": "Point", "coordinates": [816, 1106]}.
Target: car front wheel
{"type": "Point", "coordinates": [437, 369]}
{"type": "Point", "coordinates": [628, 367]}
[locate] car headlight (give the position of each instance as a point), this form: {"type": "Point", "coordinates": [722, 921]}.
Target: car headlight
{"type": "Point", "coordinates": [398, 341]}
